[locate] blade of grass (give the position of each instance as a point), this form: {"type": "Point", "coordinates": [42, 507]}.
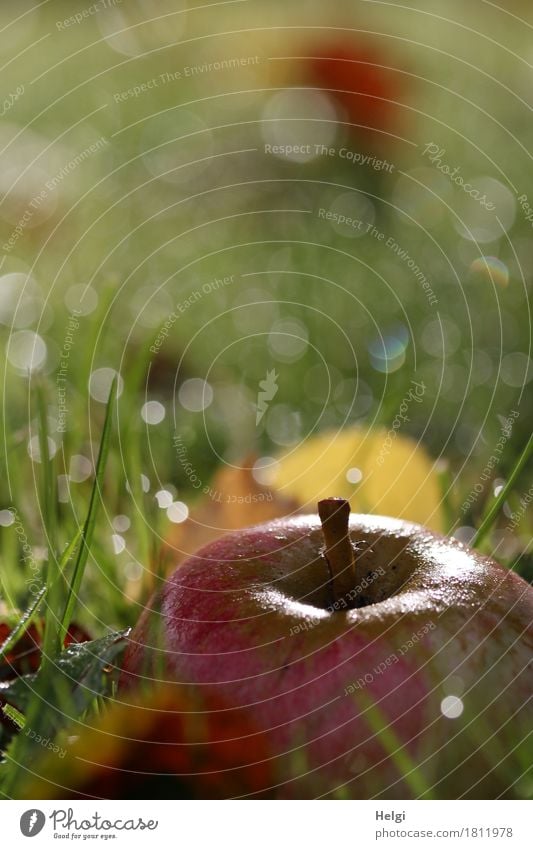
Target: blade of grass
{"type": "Point", "coordinates": [12, 586]}
{"type": "Point", "coordinates": [131, 436]}
{"type": "Point", "coordinates": [70, 549]}
{"type": "Point", "coordinates": [22, 626]}
{"type": "Point", "coordinates": [14, 715]}
{"type": "Point", "coordinates": [493, 511]}
{"type": "Point", "coordinates": [46, 691]}
{"type": "Point", "coordinates": [51, 644]}
{"type": "Point", "coordinates": [90, 521]}
{"type": "Point", "coordinates": [446, 489]}
{"type": "Point", "coordinates": [48, 479]}
{"type": "Point", "coordinates": [396, 750]}
{"type": "Point", "coordinates": [134, 471]}
{"type": "Point", "coordinates": [27, 618]}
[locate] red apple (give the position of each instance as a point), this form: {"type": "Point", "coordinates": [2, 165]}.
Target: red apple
{"type": "Point", "coordinates": [342, 640]}
{"type": "Point", "coordinates": [364, 82]}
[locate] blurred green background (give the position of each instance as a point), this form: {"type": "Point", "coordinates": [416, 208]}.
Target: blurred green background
{"type": "Point", "coordinates": [196, 160]}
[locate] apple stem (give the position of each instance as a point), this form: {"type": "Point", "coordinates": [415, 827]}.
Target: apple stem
{"type": "Point", "coordinates": [339, 552]}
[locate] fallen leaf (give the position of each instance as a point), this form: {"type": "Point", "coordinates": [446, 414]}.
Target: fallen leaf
{"type": "Point", "coordinates": [394, 475]}
{"type": "Point", "coordinates": [234, 500]}
{"type": "Point", "coordinates": [25, 656]}
{"type": "Point", "coordinates": [19, 665]}
{"type": "Point", "coordinates": [170, 742]}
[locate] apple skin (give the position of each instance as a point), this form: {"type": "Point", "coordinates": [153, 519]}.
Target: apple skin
{"type": "Point", "coordinates": [246, 617]}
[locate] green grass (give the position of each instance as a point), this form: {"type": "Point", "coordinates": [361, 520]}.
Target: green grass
{"type": "Point", "coordinates": [493, 510]}
{"type": "Point", "coordinates": [49, 704]}
{"type": "Point", "coordinates": [86, 537]}
{"type": "Point", "coordinates": [49, 692]}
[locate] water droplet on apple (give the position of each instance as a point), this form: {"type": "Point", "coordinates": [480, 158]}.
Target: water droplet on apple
{"type": "Point", "coordinates": [451, 707]}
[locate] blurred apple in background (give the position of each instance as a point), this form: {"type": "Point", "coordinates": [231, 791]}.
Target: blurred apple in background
{"type": "Point", "coordinates": [364, 83]}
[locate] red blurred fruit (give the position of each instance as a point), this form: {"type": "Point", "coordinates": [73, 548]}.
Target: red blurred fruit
{"type": "Point", "coordinates": [323, 650]}
{"type": "Point", "coordinates": [172, 742]}
{"type": "Point", "coordinates": [365, 85]}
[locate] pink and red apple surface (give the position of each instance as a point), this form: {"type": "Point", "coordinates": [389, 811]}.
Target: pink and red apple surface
{"type": "Point", "coordinates": [376, 658]}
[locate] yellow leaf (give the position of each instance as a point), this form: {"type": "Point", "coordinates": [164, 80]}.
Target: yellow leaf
{"type": "Point", "coordinates": [397, 477]}
{"type": "Point", "coordinates": [232, 501]}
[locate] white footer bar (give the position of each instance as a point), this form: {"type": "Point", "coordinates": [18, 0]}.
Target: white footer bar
{"type": "Point", "coordinates": [267, 824]}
